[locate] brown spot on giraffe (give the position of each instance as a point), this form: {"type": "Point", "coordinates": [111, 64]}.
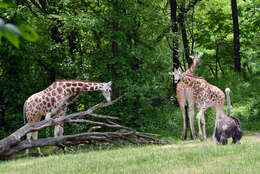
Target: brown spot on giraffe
{"type": "Point", "coordinates": [59, 89]}
{"type": "Point", "coordinates": [54, 85]}
{"type": "Point", "coordinates": [53, 93]}
{"type": "Point", "coordinates": [80, 84]}
{"type": "Point", "coordinates": [53, 100]}
{"type": "Point", "coordinates": [68, 90]}
{"type": "Point", "coordinates": [60, 83]}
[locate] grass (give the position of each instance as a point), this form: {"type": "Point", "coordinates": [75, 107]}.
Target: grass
{"type": "Point", "coordinates": [178, 157]}
{"type": "Point", "coordinates": [181, 157]}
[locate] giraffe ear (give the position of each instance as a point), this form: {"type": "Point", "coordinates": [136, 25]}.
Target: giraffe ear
{"type": "Point", "coordinates": [192, 57]}
{"type": "Point", "coordinates": [171, 73]}
{"type": "Point", "coordinates": [109, 83]}
{"type": "Point", "coordinates": [199, 55]}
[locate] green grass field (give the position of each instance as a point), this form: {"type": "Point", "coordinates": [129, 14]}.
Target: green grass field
{"type": "Point", "coordinates": [175, 158]}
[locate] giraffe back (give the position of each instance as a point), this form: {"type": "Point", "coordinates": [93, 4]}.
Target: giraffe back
{"type": "Point", "coordinates": [206, 94]}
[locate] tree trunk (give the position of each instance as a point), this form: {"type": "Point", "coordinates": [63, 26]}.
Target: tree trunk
{"type": "Point", "coordinates": [184, 35]}
{"type": "Point", "coordinates": [176, 62]}
{"type": "Point", "coordinates": [216, 67]}
{"type": "Point", "coordinates": [115, 56]}
{"type": "Point", "coordinates": [115, 51]}
{"type": "Point", "coordinates": [192, 34]}
{"type": "Point", "coordinates": [237, 62]}
{"type": "Point", "coordinates": [3, 109]}
{"type": "Point", "coordinates": [175, 47]}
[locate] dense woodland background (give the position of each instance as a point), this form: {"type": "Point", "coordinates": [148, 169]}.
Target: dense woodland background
{"type": "Point", "coordinates": [134, 43]}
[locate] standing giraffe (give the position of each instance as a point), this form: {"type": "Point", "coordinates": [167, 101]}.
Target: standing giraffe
{"type": "Point", "coordinates": [184, 94]}
{"type": "Point", "coordinates": [206, 95]}
{"type": "Point", "coordinates": [46, 101]}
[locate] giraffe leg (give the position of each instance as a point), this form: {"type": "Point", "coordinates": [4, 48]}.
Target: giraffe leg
{"type": "Point", "coordinates": [56, 131]}
{"type": "Point", "coordinates": [184, 128]}
{"type": "Point", "coordinates": [204, 126]}
{"type": "Point", "coordinates": [199, 126]}
{"type": "Point", "coordinates": [61, 130]}
{"type": "Point", "coordinates": [191, 118]}
{"type": "Point", "coordinates": [201, 119]}
{"type": "Point", "coordinates": [35, 137]}
{"type": "Point", "coordinates": [182, 102]}
{"type": "Point", "coordinates": [29, 135]}
{"type": "Point", "coordinates": [191, 102]}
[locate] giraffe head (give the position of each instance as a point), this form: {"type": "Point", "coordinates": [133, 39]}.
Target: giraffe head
{"type": "Point", "coordinates": [106, 90]}
{"type": "Point", "coordinates": [196, 58]}
{"type": "Point", "coordinates": [177, 75]}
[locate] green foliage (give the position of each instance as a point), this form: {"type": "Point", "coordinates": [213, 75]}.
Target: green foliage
{"type": "Point", "coordinates": [126, 42]}
{"type": "Point", "coordinates": [10, 32]}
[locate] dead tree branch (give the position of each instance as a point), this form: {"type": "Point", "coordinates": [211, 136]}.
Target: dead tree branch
{"type": "Point", "coordinates": [13, 144]}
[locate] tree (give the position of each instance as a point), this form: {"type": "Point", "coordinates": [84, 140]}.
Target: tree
{"type": "Point", "coordinates": [237, 59]}
{"type": "Point", "coordinates": [175, 47]}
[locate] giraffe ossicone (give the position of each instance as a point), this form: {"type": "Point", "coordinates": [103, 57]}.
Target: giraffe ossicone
{"type": "Point", "coordinates": [45, 102]}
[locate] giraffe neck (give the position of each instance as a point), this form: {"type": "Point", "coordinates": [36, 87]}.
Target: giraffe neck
{"type": "Point", "coordinates": [191, 69]}
{"type": "Point", "coordinates": [70, 87]}
{"type": "Point", "coordinates": [92, 86]}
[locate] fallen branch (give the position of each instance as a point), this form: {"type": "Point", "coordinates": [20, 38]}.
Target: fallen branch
{"type": "Point", "coordinates": [12, 144]}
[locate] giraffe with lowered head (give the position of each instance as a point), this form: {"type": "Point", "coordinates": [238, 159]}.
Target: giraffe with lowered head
{"type": "Point", "coordinates": [206, 95]}
{"type": "Point", "coordinates": [184, 95]}
{"type": "Point", "coordinates": [46, 101]}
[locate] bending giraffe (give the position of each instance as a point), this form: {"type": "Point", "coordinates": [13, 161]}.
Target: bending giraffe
{"type": "Point", "coordinates": [46, 101]}
{"type": "Point", "coordinates": [184, 95]}
{"type": "Point", "coordinates": [206, 95]}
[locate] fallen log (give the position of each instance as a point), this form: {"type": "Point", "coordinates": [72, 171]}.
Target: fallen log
{"type": "Point", "coordinates": [13, 144]}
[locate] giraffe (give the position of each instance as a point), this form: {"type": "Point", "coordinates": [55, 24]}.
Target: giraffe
{"type": "Point", "coordinates": [46, 101]}
{"type": "Point", "coordinates": [206, 95]}
{"type": "Point", "coordinates": [184, 94]}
